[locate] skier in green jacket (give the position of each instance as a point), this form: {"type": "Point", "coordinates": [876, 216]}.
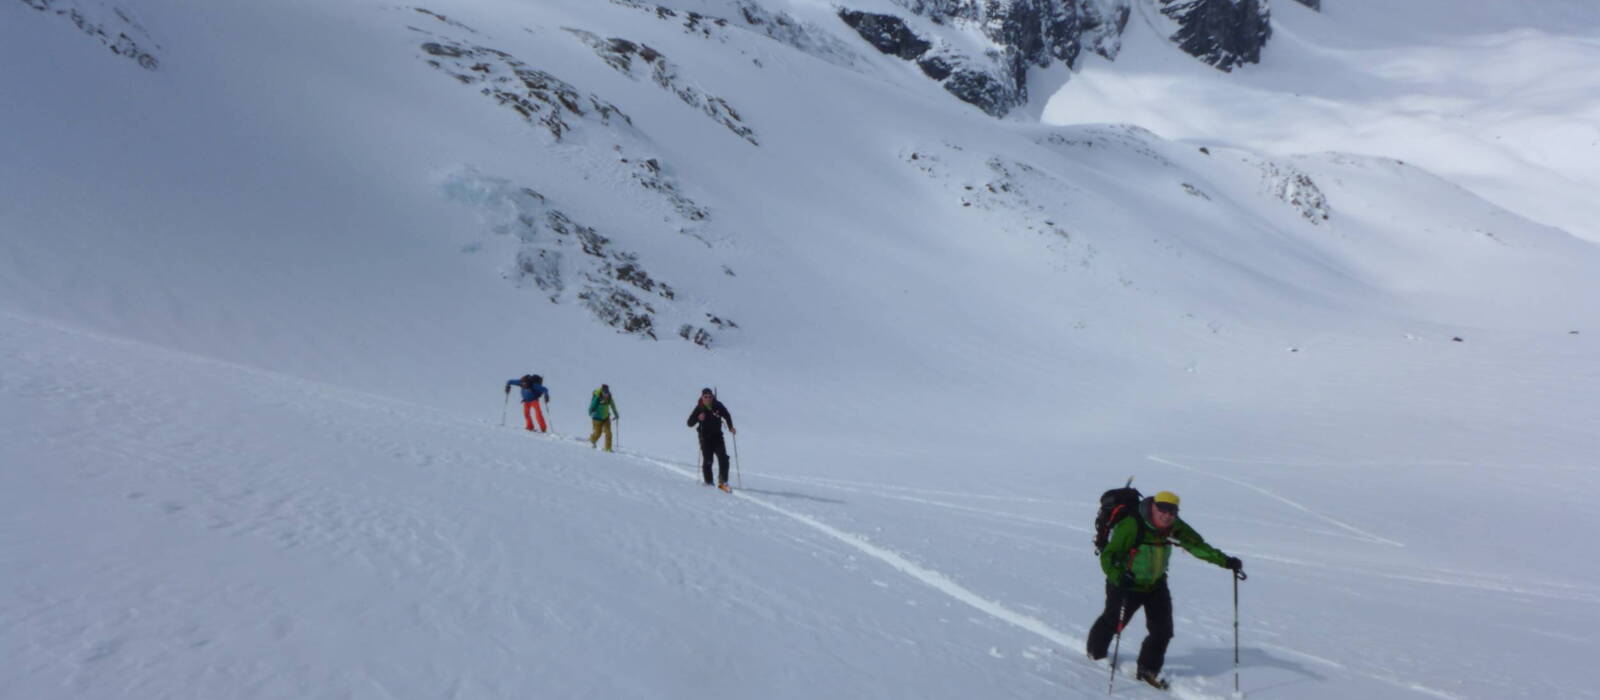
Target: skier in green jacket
{"type": "Point", "coordinates": [602, 408]}
{"type": "Point", "coordinates": [1135, 563]}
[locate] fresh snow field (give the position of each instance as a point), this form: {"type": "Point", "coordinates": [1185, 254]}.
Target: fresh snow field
{"type": "Point", "coordinates": [257, 306]}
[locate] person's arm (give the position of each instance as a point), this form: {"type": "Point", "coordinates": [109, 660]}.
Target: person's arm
{"type": "Point", "coordinates": [1193, 543]}
{"type": "Point", "coordinates": [693, 415]}
{"type": "Point", "coordinates": [1114, 558]}
{"type": "Point", "coordinates": [512, 383]}
{"type": "Point", "coordinates": [546, 391]}
{"type": "Point", "coordinates": [723, 411]}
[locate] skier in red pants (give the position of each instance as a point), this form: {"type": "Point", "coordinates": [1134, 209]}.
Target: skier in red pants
{"type": "Point", "coordinates": [532, 389]}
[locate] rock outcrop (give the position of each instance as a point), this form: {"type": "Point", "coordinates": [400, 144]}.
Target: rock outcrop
{"type": "Point", "coordinates": [1035, 34]}
{"type": "Point", "coordinates": [113, 26]}
{"type": "Point", "coordinates": [1032, 33]}
{"type": "Point", "coordinates": [1223, 33]}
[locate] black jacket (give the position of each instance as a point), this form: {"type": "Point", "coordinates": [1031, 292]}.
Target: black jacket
{"type": "Point", "coordinates": [709, 420]}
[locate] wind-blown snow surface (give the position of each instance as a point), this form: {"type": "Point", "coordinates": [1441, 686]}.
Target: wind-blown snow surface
{"type": "Point", "coordinates": [260, 301]}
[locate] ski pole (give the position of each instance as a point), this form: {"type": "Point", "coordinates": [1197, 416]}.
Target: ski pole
{"type": "Point", "coordinates": [737, 476]}
{"type": "Point", "coordinates": [1237, 577]}
{"type": "Point", "coordinates": [1122, 613]}
{"type": "Point", "coordinates": [503, 408]}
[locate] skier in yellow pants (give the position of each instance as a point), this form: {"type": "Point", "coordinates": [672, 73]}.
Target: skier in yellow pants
{"type": "Point", "coordinates": [601, 410]}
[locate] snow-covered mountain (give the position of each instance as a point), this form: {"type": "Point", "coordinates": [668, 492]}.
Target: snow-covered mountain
{"type": "Point", "coordinates": [267, 267]}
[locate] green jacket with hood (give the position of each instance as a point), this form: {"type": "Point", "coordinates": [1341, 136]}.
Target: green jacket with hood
{"type": "Point", "coordinates": [1146, 551]}
{"type": "Point", "coordinates": [601, 407]}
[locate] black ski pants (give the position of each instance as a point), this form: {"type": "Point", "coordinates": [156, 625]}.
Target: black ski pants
{"type": "Point", "coordinates": [1121, 604]}
{"type": "Point", "coordinates": [711, 445]}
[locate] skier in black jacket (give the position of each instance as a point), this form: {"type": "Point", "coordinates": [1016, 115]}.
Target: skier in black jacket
{"type": "Point", "coordinates": [708, 416]}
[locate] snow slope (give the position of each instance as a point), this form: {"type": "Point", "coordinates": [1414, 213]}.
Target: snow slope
{"type": "Point", "coordinates": [1499, 97]}
{"type": "Point", "coordinates": [173, 543]}
{"type": "Point", "coordinates": [259, 303]}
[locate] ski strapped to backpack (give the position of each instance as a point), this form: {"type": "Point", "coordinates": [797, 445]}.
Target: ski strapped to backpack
{"type": "Point", "coordinates": [1115, 505]}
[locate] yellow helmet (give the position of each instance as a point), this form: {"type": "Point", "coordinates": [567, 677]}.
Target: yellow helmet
{"type": "Point", "coordinates": [1166, 497]}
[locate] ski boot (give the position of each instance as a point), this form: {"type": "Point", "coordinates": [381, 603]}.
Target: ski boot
{"type": "Point", "coordinates": [1150, 678]}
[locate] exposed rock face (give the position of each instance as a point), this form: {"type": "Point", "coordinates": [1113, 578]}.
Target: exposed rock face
{"type": "Point", "coordinates": [1295, 188]}
{"type": "Point", "coordinates": [778, 26]}
{"type": "Point", "coordinates": [1031, 32]}
{"type": "Point", "coordinates": [570, 262]}
{"type": "Point", "coordinates": [1223, 33]}
{"type": "Point", "coordinates": [539, 97]}
{"type": "Point", "coordinates": [1037, 33]}
{"type": "Point", "coordinates": [887, 33]}
{"type": "Point", "coordinates": [113, 26]}
{"type": "Point", "coordinates": [566, 260]}
{"type": "Point", "coordinates": [621, 54]}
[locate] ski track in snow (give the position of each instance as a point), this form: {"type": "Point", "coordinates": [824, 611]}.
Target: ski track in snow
{"type": "Point", "coordinates": [323, 519]}
{"type": "Point", "coordinates": [945, 585]}
{"type": "Point", "coordinates": [870, 487]}
{"type": "Point", "coordinates": [1001, 515]}
{"type": "Point", "coordinates": [934, 579]}
{"type": "Point", "coordinates": [1363, 534]}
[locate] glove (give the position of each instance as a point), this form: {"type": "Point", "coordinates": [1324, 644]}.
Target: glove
{"type": "Point", "coordinates": [508, 390]}
{"type": "Point", "coordinates": [1233, 564]}
{"type": "Point", "coordinates": [1125, 581]}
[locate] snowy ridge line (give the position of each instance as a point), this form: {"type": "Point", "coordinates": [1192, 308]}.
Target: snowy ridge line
{"type": "Point", "coordinates": [1334, 521]}
{"type": "Point", "coordinates": [933, 579]}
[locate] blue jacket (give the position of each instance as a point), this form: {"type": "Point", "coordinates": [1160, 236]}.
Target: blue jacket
{"type": "Point", "coordinates": [533, 394]}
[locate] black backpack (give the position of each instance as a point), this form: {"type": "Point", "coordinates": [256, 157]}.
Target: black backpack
{"type": "Point", "coordinates": [527, 381]}
{"type": "Point", "coordinates": [1115, 505]}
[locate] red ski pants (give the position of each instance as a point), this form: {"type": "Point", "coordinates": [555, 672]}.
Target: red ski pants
{"type": "Point", "coordinates": [534, 407]}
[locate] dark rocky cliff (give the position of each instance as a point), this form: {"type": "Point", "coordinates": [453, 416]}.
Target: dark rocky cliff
{"type": "Point", "coordinates": [1038, 33]}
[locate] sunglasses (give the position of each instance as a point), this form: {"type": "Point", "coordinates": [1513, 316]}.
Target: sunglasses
{"type": "Point", "coordinates": [1167, 508]}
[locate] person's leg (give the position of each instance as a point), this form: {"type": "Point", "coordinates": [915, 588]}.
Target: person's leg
{"type": "Point", "coordinates": [722, 458]}
{"type": "Point", "coordinates": [705, 460]}
{"type": "Point", "coordinates": [1105, 626]}
{"type": "Point", "coordinates": [595, 436]}
{"type": "Point", "coordinates": [527, 417]}
{"type": "Point", "coordinates": [606, 425]}
{"type": "Point", "coordinates": [539, 412]}
{"type": "Point", "coordinates": [1119, 609]}
{"type": "Point", "coordinates": [1158, 619]}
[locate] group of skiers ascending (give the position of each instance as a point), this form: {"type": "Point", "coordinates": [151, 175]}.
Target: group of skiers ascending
{"type": "Point", "coordinates": [707, 418]}
{"type": "Point", "coordinates": [602, 408]}
{"type": "Point", "coordinates": [1134, 535]}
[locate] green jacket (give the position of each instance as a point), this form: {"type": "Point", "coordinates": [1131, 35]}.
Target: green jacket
{"type": "Point", "coordinates": [601, 409]}
{"type": "Point", "coordinates": [1146, 552]}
